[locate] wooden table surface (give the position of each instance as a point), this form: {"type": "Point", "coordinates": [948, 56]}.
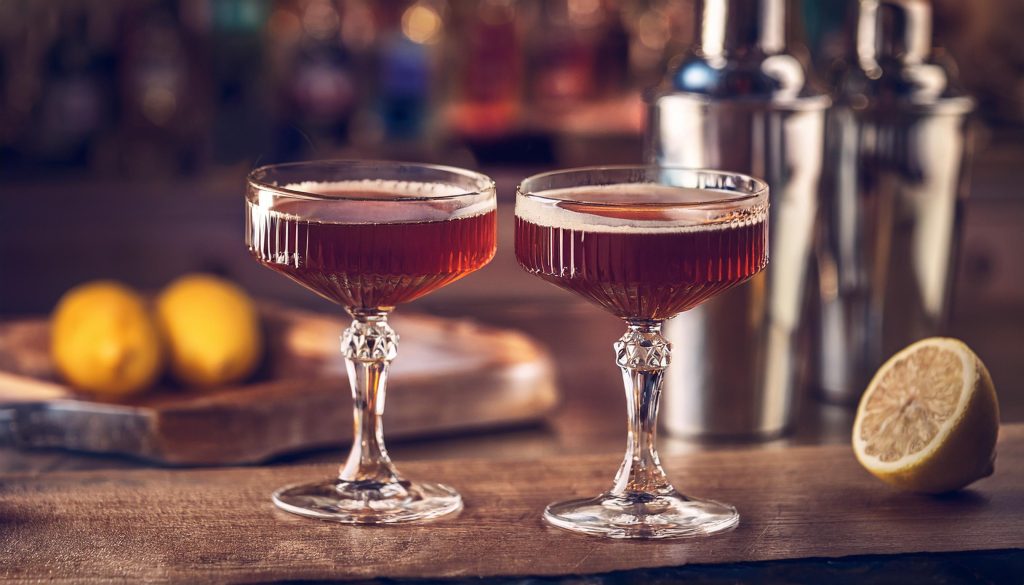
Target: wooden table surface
{"type": "Point", "coordinates": [218, 525]}
{"type": "Point", "coordinates": [796, 500]}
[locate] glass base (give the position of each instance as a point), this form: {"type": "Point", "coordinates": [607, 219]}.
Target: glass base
{"type": "Point", "coordinates": [640, 515]}
{"type": "Point", "coordinates": [354, 502]}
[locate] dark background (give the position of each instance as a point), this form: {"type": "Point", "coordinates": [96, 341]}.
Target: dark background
{"type": "Point", "coordinates": [127, 126]}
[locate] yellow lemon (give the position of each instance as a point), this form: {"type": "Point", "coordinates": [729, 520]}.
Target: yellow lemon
{"type": "Point", "coordinates": [103, 340]}
{"type": "Point", "coordinates": [929, 419]}
{"type": "Point", "coordinates": [212, 330]}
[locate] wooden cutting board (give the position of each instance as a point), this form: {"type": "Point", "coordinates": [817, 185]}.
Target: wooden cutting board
{"type": "Point", "coordinates": [449, 376]}
{"type": "Point", "coordinates": [218, 525]}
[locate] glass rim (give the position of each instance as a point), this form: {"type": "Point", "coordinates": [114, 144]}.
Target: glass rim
{"type": "Point", "coordinates": [759, 191]}
{"type": "Point", "coordinates": [253, 179]}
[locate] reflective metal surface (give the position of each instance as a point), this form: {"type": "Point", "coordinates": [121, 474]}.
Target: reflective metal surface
{"type": "Point", "coordinates": [896, 155]}
{"type": "Point", "coordinates": [740, 102]}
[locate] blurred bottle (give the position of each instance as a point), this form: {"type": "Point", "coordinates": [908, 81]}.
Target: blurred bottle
{"type": "Point", "coordinates": [319, 84]}
{"type": "Point", "coordinates": [242, 95]}
{"type": "Point", "coordinates": [407, 70]}
{"type": "Point", "coordinates": [897, 155]}
{"type": "Point", "coordinates": [657, 29]}
{"type": "Point", "coordinates": [562, 45]}
{"type": "Point", "coordinates": [489, 85]}
{"type": "Point", "coordinates": [829, 36]}
{"type": "Point", "coordinates": [163, 99]}
{"type": "Point", "coordinates": [613, 51]}
{"type": "Point", "coordinates": [359, 35]}
{"type": "Point", "coordinates": [740, 101]}
{"type": "Point", "coordinates": [76, 101]}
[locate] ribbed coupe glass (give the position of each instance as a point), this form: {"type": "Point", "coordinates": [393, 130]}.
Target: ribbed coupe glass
{"type": "Point", "coordinates": [370, 235]}
{"type": "Point", "coordinates": [643, 243]}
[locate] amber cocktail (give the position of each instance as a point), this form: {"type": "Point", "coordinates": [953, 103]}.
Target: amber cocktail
{"type": "Point", "coordinates": [369, 236]}
{"type": "Point", "coordinates": [643, 243]}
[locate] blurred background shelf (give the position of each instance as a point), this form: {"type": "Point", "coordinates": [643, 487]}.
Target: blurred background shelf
{"type": "Point", "coordinates": [161, 88]}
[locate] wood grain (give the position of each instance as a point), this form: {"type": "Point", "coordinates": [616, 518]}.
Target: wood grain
{"type": "Point", "coordinates": [202, 526]}
{"type": "Point", "coordinates": [451, 375]}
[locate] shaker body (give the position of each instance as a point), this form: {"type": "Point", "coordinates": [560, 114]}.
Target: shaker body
{"type": "Point", "coordinates": [888, 244]}
{"type": "Point", "coordinates": [738, 356]}
{"type": "Point", "coordinates": [898, 146]}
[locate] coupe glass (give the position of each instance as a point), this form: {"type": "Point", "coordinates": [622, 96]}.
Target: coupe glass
{"type": "Point", "coordinates": [644, 243]}
{"type": "Point", "coordinates": [368, 236]}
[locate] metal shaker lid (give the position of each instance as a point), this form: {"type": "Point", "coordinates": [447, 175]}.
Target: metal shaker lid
{"type": "Point", "coordinates": [741, 55]}
{"type": "Point", "coordinates": [896, 67]}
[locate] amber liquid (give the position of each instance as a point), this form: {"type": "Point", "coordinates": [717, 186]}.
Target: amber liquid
{"type": "Point", "coordinates": [368, 265]}
{"type": "Point", "coordinates": [643, 274]}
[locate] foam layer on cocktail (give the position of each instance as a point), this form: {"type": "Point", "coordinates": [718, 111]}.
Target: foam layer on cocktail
{"type": "Point", "coordinates": [640, 208]}
{"type": "Point", "coordinates": [375, 201]}
{"type": "Point", "coordinates": [394, 189]}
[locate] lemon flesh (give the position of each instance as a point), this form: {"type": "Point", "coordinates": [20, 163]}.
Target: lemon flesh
{"type": "Point", "coordinates": [929, 419]}
{"type": "Point", "coordinates": [104, 341]}
{"type": "Point", "coordinates": [212, 330]}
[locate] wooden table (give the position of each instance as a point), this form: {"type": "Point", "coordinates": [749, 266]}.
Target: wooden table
{"type": "Point", "coordinates": [801, 505]}
{"type": "Point", "coordinates": [218, 525]}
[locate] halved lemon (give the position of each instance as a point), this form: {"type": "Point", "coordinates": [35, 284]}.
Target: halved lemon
{"type": "Point", "coordinates": [929, 419]}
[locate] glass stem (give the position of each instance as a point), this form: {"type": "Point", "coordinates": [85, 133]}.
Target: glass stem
{"type": "Point", "coordinates": [642, 354]}
{"type": "Point", "coordinates": [369, 345]}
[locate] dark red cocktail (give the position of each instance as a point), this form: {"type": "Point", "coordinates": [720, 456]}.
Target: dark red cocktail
{"type": "Point", "coordinates": [643, 273]}
{"type": "Point", "coordinates": [369, 235]}
{"type": "Point", "coordinates": [644, 243]}
{"type": "Point", "coordinates": [353, 259]}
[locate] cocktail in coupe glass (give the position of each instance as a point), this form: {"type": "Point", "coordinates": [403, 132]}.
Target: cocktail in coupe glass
{"type": "Point", "coordinates": [644, 243]}
{"type": "Point", "coordinates": [369, 235]}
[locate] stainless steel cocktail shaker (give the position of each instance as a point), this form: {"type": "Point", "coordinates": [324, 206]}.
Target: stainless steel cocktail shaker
{"type": "Point", "coordinates": [740, 102]}
{"type": "Point", "coordinates": [897, 147]}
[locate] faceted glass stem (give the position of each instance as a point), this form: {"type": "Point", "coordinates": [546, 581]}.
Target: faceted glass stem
{"type": "Point", "coordinates": [642, 502]}
{"type": "Point", "coordinates": [369, 345]}
{"type": "Point", "coordinates": [368, 488]}
{"type": "Point", "coordinates": [642, 354]}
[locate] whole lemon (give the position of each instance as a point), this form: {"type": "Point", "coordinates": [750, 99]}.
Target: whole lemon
{"type": "Point", "coordinates": [103, 340]}
{"type": "Point", "coordinates": [212, 330]}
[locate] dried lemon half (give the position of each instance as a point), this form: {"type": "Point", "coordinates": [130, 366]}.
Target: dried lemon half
{"type": "Point", "coordinates": [929, 419]}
